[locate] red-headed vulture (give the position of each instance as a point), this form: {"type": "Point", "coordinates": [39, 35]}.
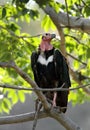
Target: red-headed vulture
{"type": "Point", "coordinates": [51, 71]}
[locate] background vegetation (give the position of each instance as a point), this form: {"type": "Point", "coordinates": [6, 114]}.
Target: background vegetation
{"type": "Point", "coordinates": [17, 46]}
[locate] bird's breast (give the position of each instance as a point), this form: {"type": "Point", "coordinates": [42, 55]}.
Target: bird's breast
{"type": "Point", "coordinates": [42, 60]}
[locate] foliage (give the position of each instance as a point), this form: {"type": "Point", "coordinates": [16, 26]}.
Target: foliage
{"type": "Point", "coordinates": [18, 46]}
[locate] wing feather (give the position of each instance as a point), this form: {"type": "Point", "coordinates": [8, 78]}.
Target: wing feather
{"type": "Point", "coordinates": [34, 58]}
{"type": "Point", "coordinates": [61, 68]}
{"type": "Point", "coordinates": [62, 71]}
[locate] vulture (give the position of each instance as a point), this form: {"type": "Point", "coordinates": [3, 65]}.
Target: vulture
{"type": "Point", "coordinates": [50, 70]}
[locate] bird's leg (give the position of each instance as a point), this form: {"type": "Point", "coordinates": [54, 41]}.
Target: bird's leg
{"type": "Point", "coordinates": [54, 99]}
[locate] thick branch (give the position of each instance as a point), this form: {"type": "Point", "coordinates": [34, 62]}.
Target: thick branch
{"type": "Point", "coordinates": [61, 118]}
{"type": "Point", "coordinates": [65, 121]}
{"type": "Point", "coordinates": [21, 118]}
{"type": "Point", "coordinates": [81, 24]}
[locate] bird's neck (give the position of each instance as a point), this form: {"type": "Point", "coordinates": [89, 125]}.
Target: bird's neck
{"type": "Point", "coordinates": [46, 54]}
{"type": "Point", "coordinates": [45, 46]}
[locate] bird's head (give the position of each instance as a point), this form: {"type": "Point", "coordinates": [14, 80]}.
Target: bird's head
{"type": "Point", "coordinates": [45, 42]}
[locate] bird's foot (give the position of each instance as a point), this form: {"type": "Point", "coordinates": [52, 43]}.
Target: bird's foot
{"type": "Point", "coordinates": [63, 109]}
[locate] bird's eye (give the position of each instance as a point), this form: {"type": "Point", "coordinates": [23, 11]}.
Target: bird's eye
{"type": "Point", "coordinates": [46, 34]}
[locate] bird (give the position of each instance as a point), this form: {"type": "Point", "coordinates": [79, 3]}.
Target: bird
{"type": "Point", "coordinates": [50, 70]}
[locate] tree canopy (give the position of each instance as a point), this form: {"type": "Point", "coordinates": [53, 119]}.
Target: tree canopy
{"type": "Point", "coordinates": [69, 18]}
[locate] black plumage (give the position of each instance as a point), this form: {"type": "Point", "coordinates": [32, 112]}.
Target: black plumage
{"type": "Point", "coordinates": [51, 71]}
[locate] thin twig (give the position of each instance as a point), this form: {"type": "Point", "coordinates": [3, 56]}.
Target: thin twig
{"type": "Point", "coordinates": [76, 59]}
{"type": "Point", "coordinates": [6, 86]}
{"type": "Point", "coordinates": [76, 39]}
{"type": "Point", "coordinates": [85, 4]}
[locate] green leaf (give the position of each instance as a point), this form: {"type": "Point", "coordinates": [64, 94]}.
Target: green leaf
{"type": "Point", "coordinates": [88, 53]}
{"type": "Point", "coordinates": [34, 14]}
{"type": "Point", "coordinates": [43, 2]}
{"type": "Point", "coordinates": [14, 27]}
{"type": "Point", "coordinates": [13, 95]}
{"type": "Point", "coordinates": [20, 54]}
{"type": "Point", "coordinates": [56, 6]}
{"type": "Point", "coordinates": [6, 105]}
{"type": "Point", "coordinates": [72, 2]}
{"type": "Point", "coordinates": [27, 18]}
{"type": "Point", "coordinates": [76, 64]}
{"type": "Point", "coordinates": [21, 96]}
{"type": "Point", "coordinates": [87, 10]}
{"type": "Point", "coordinates": [72, 97]}
{"type": "Point", "coordinates": [3, 12]}
{"type": "Point", "coordinates": [47, 23]}
{"type": "Point", "coordinates": [5, 56]}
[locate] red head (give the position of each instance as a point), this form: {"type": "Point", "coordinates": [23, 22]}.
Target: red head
{"type": "Point", "coordinates": [45, 43]}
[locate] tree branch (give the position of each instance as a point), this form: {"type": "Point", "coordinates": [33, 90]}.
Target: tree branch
{"type": "Point", "coordinates": [65, 121]}
{"type": "Point", "coordinates": [61, 118]}
{"type": "Point", "coordinates": [21, 118]}
{"type": "Point", "coordinates": [7, 86]}
{"type": "Point", "coordinates": [76, 23]}
{"type": "Point", "coordinates": [76, 59]}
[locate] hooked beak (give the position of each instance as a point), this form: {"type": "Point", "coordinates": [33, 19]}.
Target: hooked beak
{"type": "Point", "coordinates": [53, 36]}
